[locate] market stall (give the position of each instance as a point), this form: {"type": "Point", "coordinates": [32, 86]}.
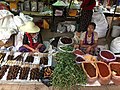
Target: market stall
{"type": "Point", "coordinates": [59, 66]}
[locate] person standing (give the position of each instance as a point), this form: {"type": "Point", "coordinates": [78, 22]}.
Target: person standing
{"type": "Point", "coordinates": [87, 7]}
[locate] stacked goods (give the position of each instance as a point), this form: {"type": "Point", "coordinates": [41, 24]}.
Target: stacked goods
{"type": "Point", "coordinates": [29, 59]}
{"type": "Point", "coordinates": [13, 72]}
{"type": "Point", "coordinates": [44, 60]}
{"type": "Point", "coordinates": [3, 70]}
{"type": "Point", "coordinates": [35, 74]}
{"type": "Point", "coordinates": [2, 56]}
{"type": "Point", "coordinates": [24, 71]}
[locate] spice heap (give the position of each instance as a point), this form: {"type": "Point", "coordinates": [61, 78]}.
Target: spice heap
{"type": "Point", "coordinates": [24, 73]}
{"type": "Point", "coordinates": [66, 40]}
{"type": "Point", "coordinates": [13, 72]}
{"type": "Point", "coordinates": [29, 59]}
{"type": "Point", "coordinates": [35, 74]}
{"type": "Point", "coordinates": [91, 71]}
{"type": "Point", "coordinates": [44, 60]}
{"type": "Point", "coordinates": [3, 70]}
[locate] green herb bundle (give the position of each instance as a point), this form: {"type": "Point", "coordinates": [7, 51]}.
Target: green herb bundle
{"type": "Point", "coordinates": [67, 73]}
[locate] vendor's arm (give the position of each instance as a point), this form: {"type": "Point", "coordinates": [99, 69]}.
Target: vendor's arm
{"type": "Point", "coordinates": [95, 44]}
{"type": "Point", "coordinates": [82, 44]}
{"type": "Point", "coordinates": [82, 40]}
{"type": "Point", "coordinates": [25, 45]}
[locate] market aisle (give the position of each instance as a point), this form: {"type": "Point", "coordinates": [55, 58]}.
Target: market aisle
{"type": "Point", "coordinates": [43, 87]}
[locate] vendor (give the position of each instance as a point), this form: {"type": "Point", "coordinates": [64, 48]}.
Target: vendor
{"type": "Point", "coordinates": [32, 40]}
{"type": "Point", "coordinates": [89, 39]}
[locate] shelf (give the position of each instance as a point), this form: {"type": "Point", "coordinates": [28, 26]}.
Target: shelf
{"type": "Point", "coordinates": [31, 13]}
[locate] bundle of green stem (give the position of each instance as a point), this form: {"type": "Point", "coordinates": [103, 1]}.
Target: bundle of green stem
{"type": "Point", "coordinates": [67, 73]}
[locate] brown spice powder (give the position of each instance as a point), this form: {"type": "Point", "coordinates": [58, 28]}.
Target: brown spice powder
{"type": "Point", "coordinates": [90, 69]}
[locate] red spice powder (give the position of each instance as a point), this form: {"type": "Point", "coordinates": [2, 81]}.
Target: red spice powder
{"type": "Point", "coordinates": [116, 68]}
{"type": "Point", "coordinates": [90, 69]}
{"type": "Point", "coordinates": [66, 40]}
{"type": "Point", "coordinates": [78, 52]}
{"type": "Point", "coordinates": [103, 69]}
{"type": "Point", "coordinates": [107, 55]}
{"type": "Point", "coordinates": [79, 59]}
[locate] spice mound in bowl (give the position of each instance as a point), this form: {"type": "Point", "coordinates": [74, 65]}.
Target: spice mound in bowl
{"type": "Point", "coordinates": [107, 56]}
{"type": "Point", "coordinates": [66, 40]}
{"type": "Point", "coordinates": [78, 52]}
{"type": "Point", "coordinates": [79, 59]}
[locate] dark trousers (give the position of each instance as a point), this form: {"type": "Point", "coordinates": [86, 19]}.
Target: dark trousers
{"type": "Point", "coordinates": [85, 19]}
{"type": "Point", "coordinates": [24, 49]}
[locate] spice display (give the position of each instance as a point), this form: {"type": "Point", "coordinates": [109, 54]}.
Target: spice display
{"type": "Point", "coordinates": [35, 74]}
{"type": "Point", "coordinates": [66, 40]}
{"type": "Point", "coordinates": [3, 70]}
{"type": "Point", "coordinates": [107, 55]}
{"type": "Point", "coordinates": [47, 72]}
{"type": "Point", "coordinates": [91, 71]}
{"type": "Point", "coordinates": [24, 73]}
{"type": "Point", "coordinates": [104, 73]}
{"type": "Point", "coordinates": [44, 60]}
{"type": "Point", "coordinates": [115, 70]}
{"type": "Point", "coordinates": [29, 59]}
{"type": "Point", "coordinates": [13, 72]}
{"type": "Point", "coordinates": [79, 59]}
{"type": "Point", "coordinates": [78, 52]}
{"type": "Point", "coordinates": [2, 56]}
{"type": "Point", "coordinates": [103, 69]}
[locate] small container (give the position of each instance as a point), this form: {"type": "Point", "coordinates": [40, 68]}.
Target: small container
{"type": "Point", "coordinates": [65, 41]}
{"type": "Point", "coordinates": [79, 59]}
{"type": "Point", "coordinates": [104, 73]}
{"type": "Point", "coordinates": [78, 52]}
